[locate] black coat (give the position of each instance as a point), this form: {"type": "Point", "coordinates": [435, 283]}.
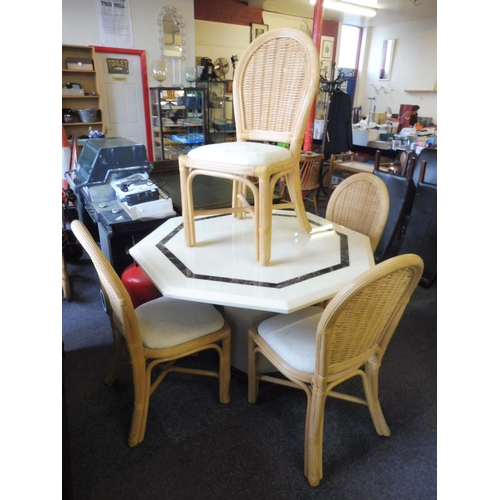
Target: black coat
{"type": "Point", "coordinates": [338, 128]}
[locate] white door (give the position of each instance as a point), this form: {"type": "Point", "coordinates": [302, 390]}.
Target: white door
{"type": "Point", "coordinates": [122, 98]}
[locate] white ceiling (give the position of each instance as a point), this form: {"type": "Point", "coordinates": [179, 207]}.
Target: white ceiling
{"type": "Point", "coordinates": [388, 11]}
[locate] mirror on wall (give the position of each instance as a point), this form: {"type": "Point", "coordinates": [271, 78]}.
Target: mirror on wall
{"type": "Point", "coordinates": [172, 42]}
{"type": "Point", "coordinates": [386, 61]}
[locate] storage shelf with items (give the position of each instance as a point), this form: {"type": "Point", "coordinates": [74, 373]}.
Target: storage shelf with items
{"type": "Point", "coordinates": [81, 103]}
{"type": "Point", "coordinates": [177, 121]}
{"type": "Point", "coordinates": [219, 112]}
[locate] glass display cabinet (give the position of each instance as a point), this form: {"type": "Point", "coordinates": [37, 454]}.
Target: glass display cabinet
{"type": "Point", "coordinates": [219, 112]}
{"type": "Point", "coordinates": [177, 121]}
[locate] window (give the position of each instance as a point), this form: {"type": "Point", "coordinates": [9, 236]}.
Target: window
{"type": "Point", "coordinates": [350, 41]}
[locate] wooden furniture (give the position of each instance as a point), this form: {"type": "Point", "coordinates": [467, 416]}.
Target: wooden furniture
{"type": "Point", "coordinates": [310, 170]}
{"type": "Point", "coordinates": [403, 163]}
{"type": "Point", "coordinates": [66, 289]}
{"type": "Point", "coordinates": [273, 89]}
{"type": "Point", "coordinates": [177, 121]}
{"type": "Point", "coordinates": [156, 334]}
{"type": "Point", "coordinates": [426, 161]}
{"type": "Point", "coordinates": [341, 166]}
{"type": "Point", "coordinates": [361, 203]}
{"type": "Point", "coordinates": [86, 76]}
{"type": "Point", "coordinates": [308, 267]}
{"type": "Point", "coordinates": [316, 349]}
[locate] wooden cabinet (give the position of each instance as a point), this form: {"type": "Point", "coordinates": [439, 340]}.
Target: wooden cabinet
{"type": "Point", "coordinates": [78, 67]}
{"type": "Point", "coordinates": [177, 120]}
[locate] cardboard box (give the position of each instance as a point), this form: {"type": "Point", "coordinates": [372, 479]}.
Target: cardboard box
{"type": "Point", "coordinates": [73, 92]}
{"type": "Point", "coordinates": [362, 137]}
{"type": "Point", "coordinates": [79, 64]}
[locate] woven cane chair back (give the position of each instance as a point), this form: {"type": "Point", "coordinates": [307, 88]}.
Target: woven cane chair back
{"type": "Point", "coordinates": [121, 311]}
{"type": "Point", "coordinates": [274, 85]}
{"type": "Point", "coordinates": [360, 203]}
{"type": "Point", "coordinates": [359, 322]}
{"type": "Point", "coordinates": [158, 332]}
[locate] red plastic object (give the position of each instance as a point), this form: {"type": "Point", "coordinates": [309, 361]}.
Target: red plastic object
{"type": "Point", "coordinates": [140, 288]}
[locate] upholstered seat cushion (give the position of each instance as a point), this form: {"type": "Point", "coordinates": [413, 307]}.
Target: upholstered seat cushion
{"type": "Point", "coordinates": [241, 153]}
{"type": "Point", "coordinates": [166, 322]}
{"type": "Point", "coordinates": [293, 336]}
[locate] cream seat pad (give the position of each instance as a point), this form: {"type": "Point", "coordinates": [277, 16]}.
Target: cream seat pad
{"type": "Point", "coordinates": [241, 153]}
{"type": "Point", "coordinates": [166, 322]}
{"type": "Point", "coordinates": [293, 337]}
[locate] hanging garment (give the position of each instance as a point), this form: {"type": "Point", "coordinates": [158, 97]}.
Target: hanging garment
{"type": "Point", "coordinates": [338, 128]}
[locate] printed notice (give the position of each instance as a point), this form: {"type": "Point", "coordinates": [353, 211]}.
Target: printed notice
{"type": "Point", "coordinates": [115, 26]}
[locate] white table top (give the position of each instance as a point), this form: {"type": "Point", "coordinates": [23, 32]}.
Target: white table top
{"type": "Point", "coordinates": [221, 268]}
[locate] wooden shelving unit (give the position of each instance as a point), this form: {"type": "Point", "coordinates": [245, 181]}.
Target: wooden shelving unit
{"type": "Point", "coordinates": [88, 81]}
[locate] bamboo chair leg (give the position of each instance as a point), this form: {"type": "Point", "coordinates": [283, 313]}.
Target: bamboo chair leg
{"type": "Point", "coordinates": [315, 201]}
{"type": "Point", "coordinates": [370, 384]}
{"type": "Point", "coordinates": [314, 437]}
{"type": "Point", "coordinates": [253, 382]}
{"type": "Point", "coordinates": [119, 351]}
{"type": "Point", "coordinates": [225, 370]}
{"type": "Point", "coordinates": [66, 289]}
{"type": "Point", "coordinates": [295, 192]}
{"type": "Point", "coordinates": [263, 219]}
{"type": "Point", "coordinates": [187, 202]}
{"type": "Point", "coordinates": [142, 382]}
{"type": "Point", "coordinates": [238, 189]}
{"type": "Point", "coordinates": [308, 417]}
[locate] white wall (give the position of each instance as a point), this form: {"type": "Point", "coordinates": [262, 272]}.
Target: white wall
{"type": "Point", "coordinates": [414, 67]}
{"type": "Point", "coordinates": [216, 40]}
{"type": "Point", "coordinates": [414, 64]}
{"type": "Point", "coordinates": [80, 27]}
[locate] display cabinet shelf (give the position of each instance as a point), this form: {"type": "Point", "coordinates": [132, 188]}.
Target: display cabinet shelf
{"type": "Point", "coordinates": [177, 119]}
{"type": "Point", "coordinates": [219, 112]}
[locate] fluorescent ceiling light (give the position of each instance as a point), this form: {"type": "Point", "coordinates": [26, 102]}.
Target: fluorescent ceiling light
{"type": "Point", "coordinates": [365, 3]}
{"type": "Point", "coordinates": [348, 8]}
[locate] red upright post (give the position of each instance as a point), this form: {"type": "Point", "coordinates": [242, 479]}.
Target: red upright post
{"type": "Point", "coordinates": [316, 36]}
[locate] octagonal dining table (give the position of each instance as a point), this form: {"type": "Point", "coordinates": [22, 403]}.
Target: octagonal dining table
{"type": "Point", "coordinates": [305, 268]}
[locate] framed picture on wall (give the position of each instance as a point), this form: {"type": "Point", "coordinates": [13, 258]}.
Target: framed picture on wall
{"type": "Point", "coordinates": [327, 47]}
{"type": "Point", "coordinates": [257, 30]}
{"type": "Point", "coordinates": [325, 68]}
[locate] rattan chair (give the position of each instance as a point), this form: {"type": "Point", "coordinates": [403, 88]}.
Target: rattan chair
{"type": "Point", "coordinates": [310, 170]}
{"type": "Point", "coordinates": [66, 288]}
{"type": "Point", "coordinates": [156, 335]}
{"type": "Point", "coordinates": [317, 349]}
{"type": "Point", "coordinates": [274, 86]}
{"type": "Point", "coordinates": [360, 203]}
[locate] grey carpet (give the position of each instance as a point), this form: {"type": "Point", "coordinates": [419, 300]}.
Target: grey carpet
{"type": "Point", "coordinates": [197, 448]}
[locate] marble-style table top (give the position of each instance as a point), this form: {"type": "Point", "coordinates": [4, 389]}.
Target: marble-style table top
{"type": "Point", "coordinates": [221, 268]}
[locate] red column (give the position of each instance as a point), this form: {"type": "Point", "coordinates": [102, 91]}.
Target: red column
{"type": "Point", "coordinates": [316, 36]}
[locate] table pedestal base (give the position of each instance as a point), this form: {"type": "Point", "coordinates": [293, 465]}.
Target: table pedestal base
{"type": "Point", "coordinates": [240, 320]}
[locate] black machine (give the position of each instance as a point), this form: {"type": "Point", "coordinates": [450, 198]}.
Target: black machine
{"type": "Point", "coordinates": [115, 197]}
